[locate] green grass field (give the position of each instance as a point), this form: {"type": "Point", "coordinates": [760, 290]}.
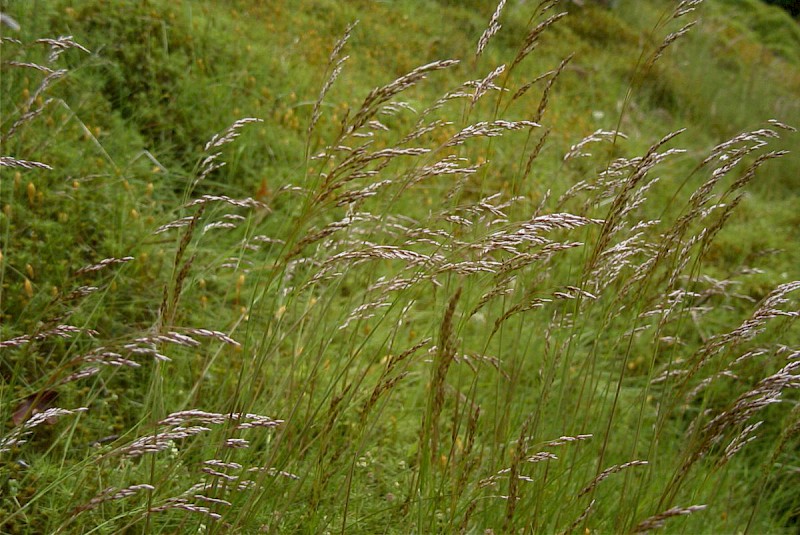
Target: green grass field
{"type": "Point", "coordinates": [399, 267]}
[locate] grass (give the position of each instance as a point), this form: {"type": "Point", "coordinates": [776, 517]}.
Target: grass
{"type": "Point", "coordinates": [420, 295]}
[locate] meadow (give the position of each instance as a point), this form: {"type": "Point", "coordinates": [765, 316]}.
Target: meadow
{"type": "Point", "coordinates": [399, 267]}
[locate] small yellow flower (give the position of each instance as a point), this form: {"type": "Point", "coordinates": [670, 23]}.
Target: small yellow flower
{"type": "Point", "coordinates": [31, 193]}
{"type": "Point", "coordinates": [28, 288]}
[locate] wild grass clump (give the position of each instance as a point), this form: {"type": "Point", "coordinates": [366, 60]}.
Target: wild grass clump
{"type": "Point", "coordinates": [429, 329]}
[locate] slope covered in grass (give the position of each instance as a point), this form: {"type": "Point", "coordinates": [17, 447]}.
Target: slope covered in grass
{"type": "Point", "coordinates": [547, 287]}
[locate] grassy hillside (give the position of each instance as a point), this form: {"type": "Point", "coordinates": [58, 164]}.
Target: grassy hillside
{"type": "Point", "coordinates": [389, 267]}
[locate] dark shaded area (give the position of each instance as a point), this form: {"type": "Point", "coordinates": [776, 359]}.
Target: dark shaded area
{"type": "Point", "coordinates": [147, 64]}
{"type": "Point", "coordinates": [792, 6]}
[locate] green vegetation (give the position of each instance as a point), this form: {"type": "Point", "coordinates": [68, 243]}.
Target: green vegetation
{"type": "Point", "coordinates": [267, 270]}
